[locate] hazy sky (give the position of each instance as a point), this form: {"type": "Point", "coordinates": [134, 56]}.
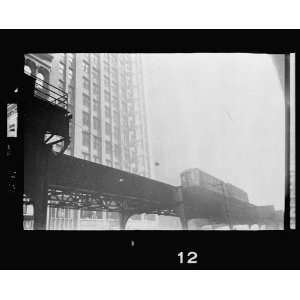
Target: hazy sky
{"type": "Point", "coordinates": [221, 113]}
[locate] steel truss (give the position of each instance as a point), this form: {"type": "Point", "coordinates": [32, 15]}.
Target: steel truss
{"type": "Point", "coordinates": [61, 197]}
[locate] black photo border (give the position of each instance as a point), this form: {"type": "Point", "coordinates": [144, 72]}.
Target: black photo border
{"type": "Point", "coordinates": [152, 249]}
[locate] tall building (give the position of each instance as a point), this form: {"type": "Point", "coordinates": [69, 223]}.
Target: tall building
{"type": "Point", "coordinates": [106, 99]}
{"type": "Point", "coordinates": [109, 124]}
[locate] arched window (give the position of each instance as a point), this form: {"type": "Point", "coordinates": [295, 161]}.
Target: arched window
{"type": "Point", "coordinates": [27, 70]}
{"type": "Point", "coordinates": [39, 81]}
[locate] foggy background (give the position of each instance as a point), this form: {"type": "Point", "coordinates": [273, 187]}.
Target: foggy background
{"type": "Point", "coordinates": [221, 113]}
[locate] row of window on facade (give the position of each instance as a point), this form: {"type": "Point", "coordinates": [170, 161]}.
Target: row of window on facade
{"type": "Point", "coordinates": [87, 104]}
{"type": "Point", "coordinates": [85, 65]}
{"type": "Point", "coordinates": [86, 119]}
{"type": "Point", "coordinates": [127, 166]}
{"type": "Point", "coordinates": [127, 107]}
{"type": "Point", "coordinates": [86, 141]}
{"type": "Point", "coordinates": [87, 156]}
{"type": "Point", "coordinates": [86, 86]}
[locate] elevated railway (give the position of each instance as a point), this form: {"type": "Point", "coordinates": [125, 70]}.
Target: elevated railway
{"type": "Point", "coordinates": [57, 180]}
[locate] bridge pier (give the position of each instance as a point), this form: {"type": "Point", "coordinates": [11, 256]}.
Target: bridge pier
{"type": "Point", "coordinates": [180, 211]}
{"type": "Point", "coordinates": [40, 189]}
{"type": "Point", "coordinates": [124, 217]}
{"type": "Point", "coordinates": [36, 155]}
{"type": "Point", "coordinates": [184, 222]}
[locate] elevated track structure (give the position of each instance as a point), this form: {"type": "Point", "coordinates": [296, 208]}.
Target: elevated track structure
{"type": "Point", "coordinates": [46, 178]}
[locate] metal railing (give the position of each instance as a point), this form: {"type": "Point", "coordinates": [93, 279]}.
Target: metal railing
{"type": "Point", "coordinates": [50, 93]}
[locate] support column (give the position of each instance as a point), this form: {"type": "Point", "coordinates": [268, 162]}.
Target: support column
{"type": "Point", "coordinates": [180, 212]}
{"type": "Point", "coordinates": [36, 155]}
{"type": "Point", "coordinates": [124, 217]}
{"type": "Point", "coordinates": [40, 193]}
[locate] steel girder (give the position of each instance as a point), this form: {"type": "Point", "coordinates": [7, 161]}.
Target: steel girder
{"type": "Point", "coordinates": [61, 197]}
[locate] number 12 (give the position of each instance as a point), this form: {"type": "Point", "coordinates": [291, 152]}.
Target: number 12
{"type": "Point", "coordinates": [191, 257]}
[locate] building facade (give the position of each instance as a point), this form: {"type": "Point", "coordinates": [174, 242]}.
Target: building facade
{"type": "Point", "coordinates": [109, 122]}
{"type": "Point", "coordinates": [106, 99]}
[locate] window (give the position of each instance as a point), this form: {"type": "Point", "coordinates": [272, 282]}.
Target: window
{"type": "Point", "coordinates": [115, 101]}
{"type": "Point", "coordinates": [126, 140]}
{"type": "Point", "coordinates": [95, 105]}
{"type": "Point", "coordinates": [70, 57]}
{"type": "Point", "coordinates": [116, 133]}
{"type": "Point", "coordinates": [85, 67]}
{"type": "Point", "coordinates": [97, 143]}
{"type": "Point", "coordinates": [85, 118]}
{"type": "Point", "coordinates": [97, 97]}
{"type": "Point", "coordinates": [61, 84]}
{"type": "Point", "coordinates": [123, 91]}
{"type": "Point", "coordinates": [116, 116]}
{"type": "Point", "coordinates": [106, 82]}
{"type": "Point", "coordinates": [27, 70]}
{"type": "Point", "coordinates": [61, 68]}
{"type": "Point", "coordinates": [39, 81]}
{"type": "Point", "coordinates": [86, 100]}
{"type": "Point", "coordinates": [108, 147]}
{"type": "Point", "coordinates": [96, 122]}
{"type": "Point", "coordinates": [131, 124]}
{"type": "Point", "coordinates": [95, 88]}
{"type": "Point", "coordinates": [124, 106]}
{"type": "Point", "coordinates": [86, 83]}
{"type": "Point", "coordinates": [106, 67]}
{"type": "Point", "coordinates": [107, 128]}
{"type": "Point", "coordinates": [85, 139]}
{"type": "Point", "coordinates": [126, 154]}
{"type": "Point", "coordinates": [107, 112]}
{"type": "Point", "coordinates": [115, 88]}
{"type": "Point", "coordinates": [117, 151]}
{"type": "Point", "coordinates": [95, 58]}
{"type": "Point", "coordinates": [95, 73]}
{"type": "Point", "coordinates": [70, 74]}
{"type": "Point", "coordinates": [114, 74]}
